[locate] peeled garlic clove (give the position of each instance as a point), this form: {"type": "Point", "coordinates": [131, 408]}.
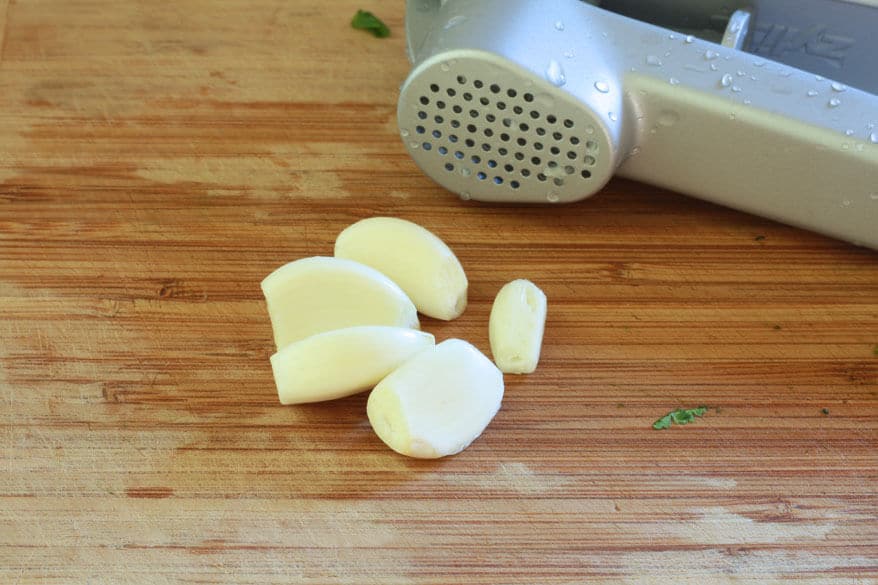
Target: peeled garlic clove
{"type": "Point", "coordinates": [343, 362]}
{"type": "Point", "coordinates": [318, 294]}
{"type": "Point", "coordinates": [516, 325]}
{"type": "Point", "coordinates": [413, 257]}
{"type": "Point", "coordinates": [438, 402]}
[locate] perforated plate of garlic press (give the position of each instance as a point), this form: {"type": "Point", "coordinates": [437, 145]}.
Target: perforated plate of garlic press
{"type": "Point", "coordinates": [768, 106]}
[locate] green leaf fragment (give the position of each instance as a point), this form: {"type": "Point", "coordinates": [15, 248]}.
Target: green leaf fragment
{"type": "Point", "coordinates": [680, 416]}
{"type": "Point", "coordinates": [365, 20]}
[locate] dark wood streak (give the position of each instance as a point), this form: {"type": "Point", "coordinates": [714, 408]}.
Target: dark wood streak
{"type": "Point", "coordinates": [152, 492]}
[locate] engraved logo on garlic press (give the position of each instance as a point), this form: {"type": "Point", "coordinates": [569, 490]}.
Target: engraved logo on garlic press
{"type": "Point", "coordinates": [776, 40]}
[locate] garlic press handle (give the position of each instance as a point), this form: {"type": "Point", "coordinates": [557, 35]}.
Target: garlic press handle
{"type": "Point", "coordinates": [761, 137]}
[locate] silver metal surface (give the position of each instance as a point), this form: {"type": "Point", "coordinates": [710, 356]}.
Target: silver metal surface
{"type": "Point", "coordinates": [737, 29]}
{"type": "Point", "coordinates": [514, 100]}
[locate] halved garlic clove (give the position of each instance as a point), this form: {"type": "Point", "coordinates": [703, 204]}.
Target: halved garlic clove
{"type": "Point", "coordinates": [438, 402]}
{"type": "Point", "coordinates": [318, 294]}
{"type": "Point", "coordinates": [413, 257]}
{"type": "Point", "coordinates": [516, 326]}
{"type": "Point", "coordinates": [343, 362]}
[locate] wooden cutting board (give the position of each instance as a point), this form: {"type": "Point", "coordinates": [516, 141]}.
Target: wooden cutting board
{"type": "Point", "coordinates": [158, 159]}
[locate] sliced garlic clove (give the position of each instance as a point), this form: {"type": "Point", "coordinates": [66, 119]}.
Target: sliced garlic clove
{"type": "Point", "coordinates": [343, 362]}
{"type": "Point", "coordinates": [438, 402]}
{"type": "Point", "coordinates": [318, 294]}
{"type": "Point", "coordinates": [413, 257]}
{"type": "Point", "coordinates": [516, 326]}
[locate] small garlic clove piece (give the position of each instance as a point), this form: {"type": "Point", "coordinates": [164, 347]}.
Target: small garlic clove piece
{"type": "Point", "coordinates": [518, 318]}
{"type": "Point", "coordinates": [413, 257]}
{"type": "Point", "coordinates": [319, 294]}
{"type": "Point", "coordinates": [438, 402]}
{"type": "Point", "coordinates": [342, 362]}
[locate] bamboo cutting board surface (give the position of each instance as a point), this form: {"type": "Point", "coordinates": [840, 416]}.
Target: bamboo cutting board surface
{"type": "Point", "coordinates": [158, 159]}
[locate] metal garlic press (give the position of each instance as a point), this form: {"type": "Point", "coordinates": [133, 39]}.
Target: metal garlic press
{"type": "Point", "coordinates": [768, 106]}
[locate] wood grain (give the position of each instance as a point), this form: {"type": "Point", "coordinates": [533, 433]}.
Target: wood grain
{"type": "Point", "coordinates": [159, 159]}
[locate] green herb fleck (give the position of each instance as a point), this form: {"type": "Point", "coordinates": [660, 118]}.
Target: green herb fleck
{"type": "Point", "coordinates": [875, 350]}
{"type": "Point", "coordinates": [825, 411]}
{"type": "Point", "coordinates": [365, 20]}
{"type": "Point", "coordinates": [759, 238]}
{"type": "Point", "coordinates": [680, 416]}
{"type": "Point", "coordinates": [777, 327]}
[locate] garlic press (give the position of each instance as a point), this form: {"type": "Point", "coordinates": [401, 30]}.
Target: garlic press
{"type": "Point", "coordinates": [767, 106]}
